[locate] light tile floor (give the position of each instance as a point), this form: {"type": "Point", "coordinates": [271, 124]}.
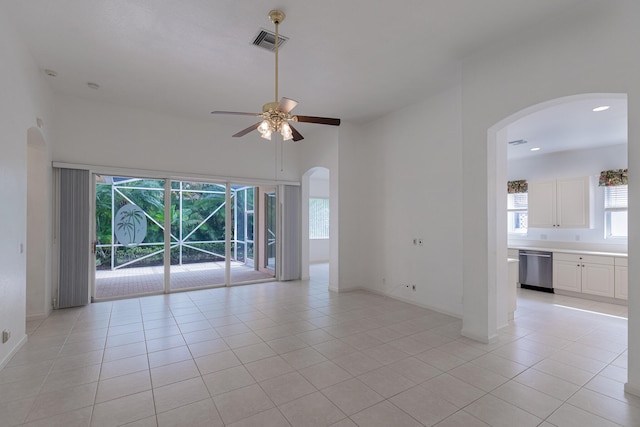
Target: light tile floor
{"type": "Point", "coordinates": [294, 354]}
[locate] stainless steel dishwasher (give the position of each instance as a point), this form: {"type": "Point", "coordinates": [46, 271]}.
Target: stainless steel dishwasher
{"type": "Point", "coordinates": [536, 270]}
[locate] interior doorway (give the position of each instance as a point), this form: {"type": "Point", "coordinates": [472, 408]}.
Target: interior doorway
{"type": "Point", "coordinates": [317, 212]}
{"type": "Point", "coordinates": [498, 137]}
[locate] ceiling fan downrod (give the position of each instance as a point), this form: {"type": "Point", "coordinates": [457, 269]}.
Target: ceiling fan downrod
{"type": "Point", "coordinates": [277, 16]}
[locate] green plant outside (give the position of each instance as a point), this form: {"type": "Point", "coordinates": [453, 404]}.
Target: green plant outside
{"type": "Point", "coordinates": [202, 222]}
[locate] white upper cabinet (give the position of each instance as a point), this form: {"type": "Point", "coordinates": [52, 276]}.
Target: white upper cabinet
{"type": "Point", "coordinates": [562, 203]}
{"type": "Point", "coordinates": [542, 204]}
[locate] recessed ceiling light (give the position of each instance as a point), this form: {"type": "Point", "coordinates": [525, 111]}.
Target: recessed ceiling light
{"type": "Point", "coordinates": [93, 85]}
{"type": "Point", "coordinates": [535, 149]}
{"type": "Point", "coordinates": [601, 108]}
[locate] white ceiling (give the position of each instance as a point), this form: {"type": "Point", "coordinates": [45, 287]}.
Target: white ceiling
{"type": "Point", "coordinates": [355, 59]}
{"type": "Point", "coordinates": [571, 125]}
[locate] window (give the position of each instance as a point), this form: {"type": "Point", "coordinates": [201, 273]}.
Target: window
{"type": "Point", "coordinates": [615, 211]}
{"type": "Point", "coordinates": [318, 218]}
{"type": "Point", "coordinates": [517, 215]}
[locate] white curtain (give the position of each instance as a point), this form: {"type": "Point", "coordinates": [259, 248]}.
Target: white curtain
{"type": "Point", "coordinates": [290, 260]}
{"type": "Point", "coordinates": [74, 242]}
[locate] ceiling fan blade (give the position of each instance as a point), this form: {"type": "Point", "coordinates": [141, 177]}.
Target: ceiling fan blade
{"type": "Point", "coordinates": [319, 120]}
{"type": "Point", "coordinates": [247, 130]}
{"type": "Point", "coordinates": [236, 113]}
{"type": "Point", "coordinates": [297, 136]}
{"type": "Point", "coordinates": [286, 105]}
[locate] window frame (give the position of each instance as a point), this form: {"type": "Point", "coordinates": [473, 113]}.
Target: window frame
{"type": "Point", "coordinates": [609, 210]}
{"type": "Point", "coordinates": [313, 235]}
{"type": "Point", "coordinates": [510, 211]}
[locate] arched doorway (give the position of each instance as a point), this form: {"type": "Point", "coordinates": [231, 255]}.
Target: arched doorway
{"type": "Point", "coordinates": [497, 139]}
{"type": "Point", "coordinates": [318, 212]}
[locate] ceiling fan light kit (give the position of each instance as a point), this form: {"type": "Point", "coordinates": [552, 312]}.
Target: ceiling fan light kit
{"type": "Point", "coordinates": [277, 115]}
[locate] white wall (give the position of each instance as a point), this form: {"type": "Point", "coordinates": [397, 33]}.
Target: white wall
{"type": "Point", "coordinates": [39, 226]}
{"type": "Point", "coordinates": [414, 186]}
{"type": "Point", "coordinates": [95, 133]}
{"type": "Point", "coordinates": [571, 164]}
{"type": "Point", "coordinates": [24, 97]}
{"type": "Point", "coordinates": [589, 49]}
{"type": "Point", "coordinates": [355, 190]}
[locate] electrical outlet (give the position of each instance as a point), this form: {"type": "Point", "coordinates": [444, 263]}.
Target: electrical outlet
{"type": "Point", "coordinates": [6, 334]}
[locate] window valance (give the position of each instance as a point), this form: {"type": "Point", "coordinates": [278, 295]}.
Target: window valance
{"type": "Point", "coordinates": [613, 177]}
{"type": "Point", "coordinates": [519, 186]}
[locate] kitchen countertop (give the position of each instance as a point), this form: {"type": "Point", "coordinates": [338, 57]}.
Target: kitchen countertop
{"type": "Point", "coordinates": [571, 251]}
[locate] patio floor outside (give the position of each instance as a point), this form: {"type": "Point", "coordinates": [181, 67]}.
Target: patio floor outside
{"type": "Point", "coordinates": [142, 280]}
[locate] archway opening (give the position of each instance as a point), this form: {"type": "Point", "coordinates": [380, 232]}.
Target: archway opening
{"type": "Point", "coordinates": [316, 231]}
{"type": "Point", "coordinates": [498, 137]}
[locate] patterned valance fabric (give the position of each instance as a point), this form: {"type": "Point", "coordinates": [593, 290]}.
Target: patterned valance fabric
{"type": "Point", "coordinates": [613, 177]}
{"type": "Point", "coordinates": [519, 186]}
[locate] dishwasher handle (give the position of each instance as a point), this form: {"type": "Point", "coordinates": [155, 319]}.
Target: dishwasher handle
{"type": "Point", "coordinates": [535, 255]}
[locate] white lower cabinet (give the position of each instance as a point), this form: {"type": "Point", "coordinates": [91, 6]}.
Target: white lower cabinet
{"type": "Point", "coordinates": [567, 275]}
{"type": "Point", "coordinates": [588, 274]}
{"type": "Point", "coordinates": [622, 278]}
{"type": "Point", "coordinates": [598, 279]}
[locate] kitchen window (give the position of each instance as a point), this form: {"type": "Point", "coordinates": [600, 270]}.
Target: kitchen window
{"type": "Point", "coordinates": [517, 212]}
{"type": "Point", "coordinates": [616, 211]}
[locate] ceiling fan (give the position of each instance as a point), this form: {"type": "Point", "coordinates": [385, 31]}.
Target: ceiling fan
{"type": "Point", "coordinates": [276, 116]}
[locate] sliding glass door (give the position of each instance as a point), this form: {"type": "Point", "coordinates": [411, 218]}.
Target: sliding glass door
{"type": "Point", "coordinates": [246, 251]}
{"type": "Point", "coordinates": [132, 244]}
{"type": "Point", "coordinates": [198, 218]}
{"type": "Point", "coordinates": [129, 236]}
{"type": "Point", "coordinates": [269, 229]}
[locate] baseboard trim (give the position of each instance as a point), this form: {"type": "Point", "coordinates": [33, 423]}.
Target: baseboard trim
{"type": "Point", "coordinates": [590, 297]}
{"type": "Point", "coordinates": [397, 298]}
{"type": "Point", "coordinates": [12, 353]}
{"type": "Point", "coordinates": [628, 388]}
{"type": "Point", "coordinates": [428, 307]}
{"type": "Point", "coordinates": [40, 316]}
{"type": "Point", "coordinates": [492, 339]}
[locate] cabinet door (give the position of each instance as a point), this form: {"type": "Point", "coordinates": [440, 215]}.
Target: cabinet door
{"type": "Point", "coordinates": [567, 276]}
{"type": "Point", "coordinates": [622, 282]}
{"type": "Point", "coordinates": [598, 279]}
{"type": "Point", "coordinates": [542, 204]}
{"type": "Point", "coordinates": [572, 202]}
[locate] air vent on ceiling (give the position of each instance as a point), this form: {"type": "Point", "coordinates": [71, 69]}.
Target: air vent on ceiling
{"type": "Point", "coordinates": [517, 142]}
{"type": "Point", "coordinates": [267, 40]}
